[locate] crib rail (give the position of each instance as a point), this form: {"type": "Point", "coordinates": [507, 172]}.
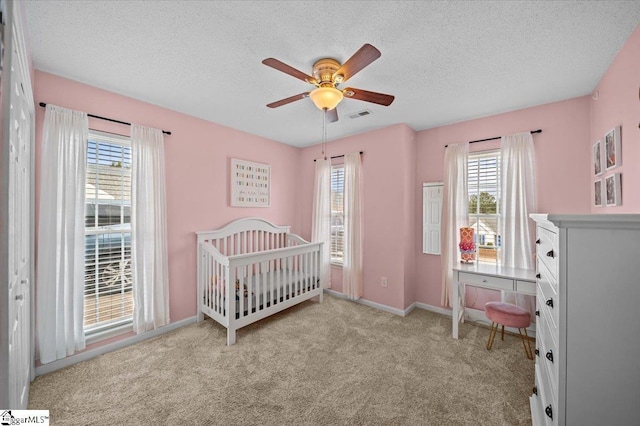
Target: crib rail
{"type": "Point", "coordinates": [274, 281]}
{"type": "Point", "coordinates": [247, 235]}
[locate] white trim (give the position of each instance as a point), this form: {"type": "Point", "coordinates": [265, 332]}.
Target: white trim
{"type": "Point", "coordinates": [436, 309]}
{"type": "Point", "coordinates": [365, 302]}
{"type": "Point", "coordinates": [475, 316]}
{"type": "Point", "coordinates": [92, 353]}
{"type": "Point", "coordinates": [478, 316]}
{"type": "Point", "coordinates": [408, 310]}
{"type": "Point", "coordinates": [97, 336]}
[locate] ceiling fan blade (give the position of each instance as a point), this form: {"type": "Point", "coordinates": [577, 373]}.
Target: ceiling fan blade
{"type": "Point", "coordinates": [288, 100]}
{"type": "Point", "coordinates": [364, 95]}
{"type": "Point", "coordinates": [358, 61]}
{"type": "Point", "coordinates": [332, 115]}
{"type": "Point", "coordinates": [281, 66]}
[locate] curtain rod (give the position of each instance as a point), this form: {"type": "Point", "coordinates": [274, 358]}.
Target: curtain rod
{"type": "Point", "coordinates": [498, 137]}
{"type": "Point", "coordinates": [339, 156]}
{"type": "Point", "coordinates": [166, 132]}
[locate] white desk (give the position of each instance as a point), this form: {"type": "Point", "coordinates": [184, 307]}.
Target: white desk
{"type": "Point", "coordinates": [487, 276]}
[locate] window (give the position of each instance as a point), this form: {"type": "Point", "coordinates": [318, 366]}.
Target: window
{"type": "Point", "coordinates": [337, 214]}
{"type": "Point", "coordinates": [484, 204]}
{"type": "Point", "coordinates": [108, 290]}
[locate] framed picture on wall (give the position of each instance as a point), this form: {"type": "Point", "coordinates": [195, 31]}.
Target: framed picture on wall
{"type": "Point", "coordinates": [612, 148]}
{"type": "Point", "coordinates": [613, 189]}
{"type": "Point", "coordinates": [597, 193]}
{"type": "Point", "coordinates": [597, 159]}
{"type": "Point", "coordinates": [250, 184]}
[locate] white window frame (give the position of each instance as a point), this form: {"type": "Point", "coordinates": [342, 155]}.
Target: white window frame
{"type": "Point", "coordinates": [123, 324]}
{"type": "Point", "coordinates": [337, 215]}
{"type": "Point", "coordinates": [492, 185]}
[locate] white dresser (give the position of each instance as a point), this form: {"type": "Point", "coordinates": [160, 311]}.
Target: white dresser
{"type": "Point", "coordinates": [587, 368]}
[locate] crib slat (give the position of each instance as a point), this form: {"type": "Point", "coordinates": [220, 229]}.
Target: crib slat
{"type": "Point", "coordinates": [289, 282]}
{"type": "Point", "coordinates": [218, 288]}
{"type": "Point", "coordinates": [305, 275]}
{"type": "Point", "coordinates": [279, 280]}
{"type": "Point", "coordinates": [296, 274]}
{"type": "Point", "coordinates": [271, 294]}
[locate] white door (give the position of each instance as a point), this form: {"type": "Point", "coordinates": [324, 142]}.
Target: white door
{"type": "Point", "coordinates": [17, 105]}
{"type": "Point", "coordinates": [431, 211]}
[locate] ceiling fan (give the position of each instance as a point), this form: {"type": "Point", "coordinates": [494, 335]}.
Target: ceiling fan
{"type": "Point", "coordinates": [328, 74]}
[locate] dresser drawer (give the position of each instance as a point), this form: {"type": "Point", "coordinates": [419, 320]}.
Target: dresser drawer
{"type": "Point", "coordinates": [547, 249]}
{"type": "Point", "coordinates": [548, 356]}
{"type": "Point", "coordinates": [548, 407]}
{"type": "Point", "coordinates": [526, 287]}
{"type": "Point", "coordinates": [486, 281]}
{"type": "Point", "coordinates": [535, 404]}
{"type": "Point", "coordinates": [548, 301]}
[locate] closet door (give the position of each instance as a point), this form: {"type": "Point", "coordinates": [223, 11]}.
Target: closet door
{"type": "Point", "coordinates": [16, 264]}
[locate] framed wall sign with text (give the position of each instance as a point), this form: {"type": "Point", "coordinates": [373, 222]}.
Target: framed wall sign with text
{"type": "Point", "coordinates": [250, 184]}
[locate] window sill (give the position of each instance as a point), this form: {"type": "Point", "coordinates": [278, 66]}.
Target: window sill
{"type": "Point", "coordinates": [336, 265]}
{"type": "Point", "coordinates": [96, 336]}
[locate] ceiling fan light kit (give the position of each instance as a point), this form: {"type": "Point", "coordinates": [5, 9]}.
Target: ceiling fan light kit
{"type": "Point", "coordinates": [326, 98]}
{"type": "Point", "coordinates": [327, 75]}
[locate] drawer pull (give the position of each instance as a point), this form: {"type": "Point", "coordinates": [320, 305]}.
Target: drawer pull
{"type": "Point", "coordinates": [549, 412]}
{"type": "Point", "coordinates": [538, 275]}
{"type": "Point", "coordinates": [549, 355]}
{"type": "Point", "coordinates": [549, 302]}
{"type": "Point", "coordinates": [538, 241]}
{"type": "Point", "coordinates": [550, 253]}
{"type": "Point", "coordinates": [538, 313]}
{"type": "Point", "coordinates": [535, 390]}
{"type": "Point", "coordinates": [537, 352]}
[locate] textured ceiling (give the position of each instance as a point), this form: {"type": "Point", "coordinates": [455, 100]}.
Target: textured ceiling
{"type": "Point", "coordinates": [445, 62]}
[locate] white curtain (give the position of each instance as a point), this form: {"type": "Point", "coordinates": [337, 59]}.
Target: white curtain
{"type": "Point", "coordinates": [455, 214]}
{"type": "Point", "coordinates": [518, 198]}
{"type": "Point", "coordinates": [148, 230]}
{"type": "Point", "coordinates": [352, 261]}
{"type": "Point", "coordinates": [321, 224]}
{"type": "Point", "coordinates": [60, 267]}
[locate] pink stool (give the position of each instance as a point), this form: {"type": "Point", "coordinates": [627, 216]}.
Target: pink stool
{"type": "Point", "coordinates": [501, 313]}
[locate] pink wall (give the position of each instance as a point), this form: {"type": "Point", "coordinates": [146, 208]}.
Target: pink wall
{"type": "Point", "coordinates": [562, 173]}
{"type": "Point", "coordinates": [396, 161]}
{"type": "Point", "coordinates": [197, 157]}
{"type": "Point", "coordinates": [617, 104]}
{"type": "Point", "coordinates": [409, 224]}
{"type": "Point", "coordinates": [385, 157]}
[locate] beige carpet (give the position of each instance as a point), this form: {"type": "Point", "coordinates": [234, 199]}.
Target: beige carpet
{"type": "Point", "coordinates": [334, 363]}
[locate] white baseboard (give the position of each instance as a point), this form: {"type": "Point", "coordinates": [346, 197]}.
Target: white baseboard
{"type": "Point", "coordinates": [375, 305]}
{"type": "Point", "coordinates": [476, 316]}
{"type": "Point", "coordinates": [472, 315]}
{"type": "Point", "coordinates": [92, 353]}
{"type": "Point", "coordinates": [436, 309]}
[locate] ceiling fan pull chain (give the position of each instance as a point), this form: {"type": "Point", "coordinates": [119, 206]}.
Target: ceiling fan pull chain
{"type": "Point", "coordinates": [324, 133]}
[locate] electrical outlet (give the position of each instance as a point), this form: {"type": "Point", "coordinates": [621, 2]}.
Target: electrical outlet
{"type": "Point", "coordinates": [383, 282]}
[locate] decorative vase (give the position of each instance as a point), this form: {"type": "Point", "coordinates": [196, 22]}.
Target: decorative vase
{"type": "Point", "coordinates": [467, 245]}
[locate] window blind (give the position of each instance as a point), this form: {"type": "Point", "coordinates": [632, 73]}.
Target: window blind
{"type": "Point", "coordinates": [108, 296]}
{"type": "Point", "coordinates": [337, 213]}
{"type": "Point", "coordinates": [483, 176]}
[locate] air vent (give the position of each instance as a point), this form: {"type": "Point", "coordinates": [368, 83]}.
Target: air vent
{"type": "Point", "coordinates": [360, 114]}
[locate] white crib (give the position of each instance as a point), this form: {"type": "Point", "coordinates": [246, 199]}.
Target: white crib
{"type": "Point", "coordinates": [269, 268]}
